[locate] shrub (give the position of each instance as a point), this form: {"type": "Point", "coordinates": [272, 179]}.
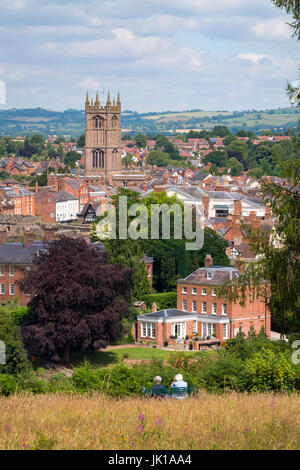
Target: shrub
{"type": "Point", "coordinates": [268, 370]}
{"type": "Point", "coordinates": [130, 338]}
{"type": "Point", "coordinates": [222, 372]}
{"type": "Point", "coordinates": [15, 356]}
{"type": "Point", "coordinates": [8, 384]}
{"type": "Point", "coordinates": [294, 337]}
{"type": "Point", "coordinates": [162, 300]}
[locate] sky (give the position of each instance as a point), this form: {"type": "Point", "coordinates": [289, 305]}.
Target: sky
{"type": "Point", "coordinates": [160, 54]}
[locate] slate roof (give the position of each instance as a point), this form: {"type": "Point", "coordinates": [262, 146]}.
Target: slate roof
{"type": "Point", "coordinates": [16, 253]}
{"type": "Point", "coordinates": [175, 313]}
{"type": "Point", "coordinates": [220, 274]}
{"type": "Point", "coordinates": [167, 313]}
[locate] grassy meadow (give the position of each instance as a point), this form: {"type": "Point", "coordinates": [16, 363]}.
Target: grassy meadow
{"type": "Point", "coordinates": [230, 421]}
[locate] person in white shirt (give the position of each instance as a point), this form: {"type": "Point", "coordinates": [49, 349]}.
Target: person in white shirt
{"type": "Point", "coordinates": [178, 382]}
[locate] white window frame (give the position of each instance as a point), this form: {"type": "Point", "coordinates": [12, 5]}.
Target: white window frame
{"type": "Point", "coordinates": [194, 306]}
{"type": "Point", "coordinates": [224, 310]}
{"type": "Point", "coordinates": [2, 269]}
{"type": "Point", "coordinates": [204, 307]}
{"type": "Point", "coordinates": [194, 290]}
{"type": "Point", "coordinates": [214, 292]}
{"type": "Point", "coordinates": [209, 275]}
{"type": "Point", "coordinates": [214, 308]}
{"type": "Point", "coordinates": [184, 290]}
{"type": "Point", "coordinates": [204, 291]}
{"type": "Point", "coordinates": [12, 289]}
{"type": "Point", "coordinates": [11, 270]}
{"type": "Point", "coordinates": [195, 327]}
{"type": "Point", "coordinates": [148, 330]}
{"type": "Point", "coordinates": [225, 330]}
{"type": "Point", "coordinates": [2, 288]}
{"type": "Point", "coordinates": [184, 305]}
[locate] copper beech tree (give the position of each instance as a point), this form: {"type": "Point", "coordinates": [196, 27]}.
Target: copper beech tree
{"type": "Point", "coordinates": [78, 299]}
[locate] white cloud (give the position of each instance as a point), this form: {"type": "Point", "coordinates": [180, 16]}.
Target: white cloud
{"type": "Point", "coordinates": [122, 43]}
{"type": "Point", "coordinates": [274, 29]}
{"type": "Point", "coordinates": [89, 83]}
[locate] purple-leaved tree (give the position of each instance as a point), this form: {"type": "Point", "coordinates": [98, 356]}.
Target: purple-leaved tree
{"type": "Point", "coordinates": [78, 299]}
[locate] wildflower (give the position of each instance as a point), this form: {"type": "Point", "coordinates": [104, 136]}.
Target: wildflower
{"type": "Point", "coordinates": [247, 429]}
{"type": "Point", "coordinates": [141, 417]}
{"type": "Point", "coordinates": [158, 422]}
{"type": "Point", "coordinates": [273, 403]}
{"type": "Point", "coordinates": [139, 428]}
{"type": "Point", "coordinates": [25, 444]}
{"type": "Point", "coordinates": [7, 428]}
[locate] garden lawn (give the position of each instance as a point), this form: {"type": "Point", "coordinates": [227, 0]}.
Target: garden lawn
{"type": "Point", "coordinates": [113, 356]}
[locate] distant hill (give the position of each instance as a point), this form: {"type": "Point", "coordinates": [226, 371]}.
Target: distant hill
{"type": "Point", "coordinates": [15, 122]}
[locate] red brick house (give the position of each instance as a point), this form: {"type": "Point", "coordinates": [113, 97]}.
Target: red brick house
{"type": "Point", "coordinates": [201, 313]}
{"type": "Point", "coordinates": [148, 260]}
{"type": "Point", "coordinates": [15, 260]}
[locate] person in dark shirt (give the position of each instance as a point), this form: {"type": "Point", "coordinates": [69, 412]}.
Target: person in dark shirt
{"type": "Point", "coordinates": [158, 390]}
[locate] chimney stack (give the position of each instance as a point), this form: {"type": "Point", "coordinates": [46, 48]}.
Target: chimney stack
{"type": "Point", "coordinates": [205, 203]}
{"type": "Point", "coordinates": [208, 261]}
{"type": "Point", "coordinates": [29, 238]}
{"type": "Point", "coordinates": [3, 236]}
{"type": "Point", "coordinates": [237, 208]}
{"type": "Point", "coordinates": [154, 307]}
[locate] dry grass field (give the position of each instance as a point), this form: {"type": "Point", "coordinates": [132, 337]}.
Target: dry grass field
{"type": "Point", "coordinates": [229, 421]}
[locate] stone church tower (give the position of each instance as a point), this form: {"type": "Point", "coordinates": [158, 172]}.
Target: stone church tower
{"type": "Point", "coordinates": [102, 139]}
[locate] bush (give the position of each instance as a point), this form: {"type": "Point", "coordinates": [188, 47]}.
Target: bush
{"type": "Point", "coordinates": [268, 370]}
{"type": "Point", "coordinates": [15, 356]}
{"type": "Point", "coordinates": [294, 337]}
{"type": "Point", "coordinates": [163, 300]}
{"type": "Point", "coordinates": [130, 338]}
{"type": "Point", "coordinates": [8, 384]}
{"type": "Point", "coordinates": [222, 372]}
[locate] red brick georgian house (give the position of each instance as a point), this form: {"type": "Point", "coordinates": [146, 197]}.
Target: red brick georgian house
{"type": "Point", "coordinates": [201, 313]}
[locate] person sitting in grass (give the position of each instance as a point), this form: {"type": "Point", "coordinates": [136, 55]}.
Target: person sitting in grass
{"type": "Point", "coordinates": [158, 389]}
{"type": "Point", "coordinates": [177, 383]}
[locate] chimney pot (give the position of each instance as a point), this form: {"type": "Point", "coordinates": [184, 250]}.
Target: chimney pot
{"type": "Point", "coordinates": [154, 307]}
{"type": "Point", "coordinates": [208, 261]}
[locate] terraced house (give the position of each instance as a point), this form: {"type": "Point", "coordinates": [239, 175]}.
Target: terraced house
{"type": "Point", "coordinates": [201, 315]}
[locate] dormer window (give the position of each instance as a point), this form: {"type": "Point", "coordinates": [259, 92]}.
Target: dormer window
{"type": "Point", "coordinates": [209, 275]}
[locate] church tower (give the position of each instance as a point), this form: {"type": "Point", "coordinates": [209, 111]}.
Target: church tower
{"type": "Point", "coordinates": [102, 138]}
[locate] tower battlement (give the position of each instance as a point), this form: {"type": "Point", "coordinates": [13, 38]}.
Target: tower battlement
{"type": "Point", "coordinates": [103, 137]}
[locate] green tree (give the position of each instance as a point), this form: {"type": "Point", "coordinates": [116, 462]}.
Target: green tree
{"type": "Point", "coordinates": [81, 141]}
{"type": "Point", "coordinates": [220, 131]}
{"type": "Point", "coordinates": [235, 166]}
{"type": "Point", "coordinates": [141, 141]}
{"type": "Point", "coordinates": [71, 158]}
{"type": "Point", "coordinates": [159, 158]}
{"type": "Point", "coordinates": [15, 355]}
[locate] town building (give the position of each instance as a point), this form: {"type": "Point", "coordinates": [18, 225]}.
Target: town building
{"type": "Point", "coordinates": [56, 206]}
{"type": "Point", "coordinates": [15, 260]}
{"type": "Point", "coordinates": [203, 315]}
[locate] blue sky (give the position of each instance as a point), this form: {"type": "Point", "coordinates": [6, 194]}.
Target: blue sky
{"type": "Point", "coordinates": [160, 54]}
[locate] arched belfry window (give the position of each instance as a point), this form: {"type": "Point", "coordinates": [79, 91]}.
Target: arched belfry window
{"type": "Point", "coordinates": [95, 158]}
{"type": "Point", "coordinates": [98, 122]}
{"type": "Point", "coordinates": [101, 159]}
{"type": "Point", "coordinates": [98, 158]}
{"type": "Point", "coordinates": [114, 121]}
